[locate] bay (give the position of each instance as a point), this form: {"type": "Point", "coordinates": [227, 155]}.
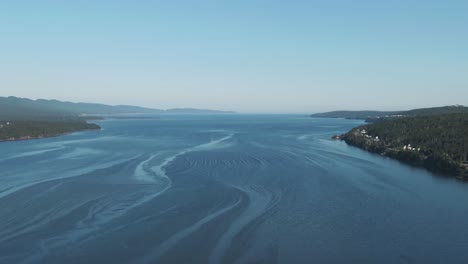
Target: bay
{"type": "Point", "coordinates": [222, 189]}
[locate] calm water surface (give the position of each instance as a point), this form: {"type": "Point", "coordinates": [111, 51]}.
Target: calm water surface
{"type": "Point", "coordinates": [222, 189]}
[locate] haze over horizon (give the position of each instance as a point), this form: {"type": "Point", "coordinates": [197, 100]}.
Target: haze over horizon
{"type": "Point", "coordinates": [244, 56]}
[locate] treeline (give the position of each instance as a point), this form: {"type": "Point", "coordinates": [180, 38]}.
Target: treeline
{"type": "Point", "coordinates": [355, 114]}
{"type": "Point", "coordinates": [23, 108]}
{"type": "Point", "coordinates": [438, 142]}
{"type": "Point", "coordinates": [379, 116]}
{"type": "Point", "coordinates": [28, 129]}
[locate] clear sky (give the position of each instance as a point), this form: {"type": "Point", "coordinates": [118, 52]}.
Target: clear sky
{"type": "Point", "coordinates": [242, 55]}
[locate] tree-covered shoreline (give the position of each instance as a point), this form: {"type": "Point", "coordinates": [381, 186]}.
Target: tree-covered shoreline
{"type": "Point", "coordinates": [438, 143]}
{"type": "Point", "coordinates": [13, 130]}
{"type": "Point", "coordinates": [379, 116]}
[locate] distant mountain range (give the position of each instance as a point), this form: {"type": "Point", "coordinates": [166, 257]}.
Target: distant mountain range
{"type": "Point", "coordinates": [14, 107]}
{"type": "Point", "coordinates": [372, 116]}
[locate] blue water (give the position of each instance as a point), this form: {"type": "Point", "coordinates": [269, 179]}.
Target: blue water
{"type": "Point", "coordinates": [222, 189]}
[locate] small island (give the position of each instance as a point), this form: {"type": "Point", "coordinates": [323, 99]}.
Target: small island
{"type": "Point", "coordinates": [438, 143]}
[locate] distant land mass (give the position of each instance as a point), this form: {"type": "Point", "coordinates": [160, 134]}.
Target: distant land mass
{"type": "Point", "coordinates": [453, 109]}
{"type": "Point", "coordinates": [22, 118]}
{"type": "Point", "coordinates": [378, 116]}
{"type": "Point", "coordinates": [355, 114]}
{"type": "Point", "coordinates": [195, 111]}
{"type": "Point", "coordinates": [22, 108]}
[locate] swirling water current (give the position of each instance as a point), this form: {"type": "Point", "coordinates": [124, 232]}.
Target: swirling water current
{"type": "Point", "coordinates": [222, 189]}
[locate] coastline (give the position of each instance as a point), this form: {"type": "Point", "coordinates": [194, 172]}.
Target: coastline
{"type": "Point", "coordinates": [406, 158]}
{"type": "Point", "coordinates": [25, 138]}
{"type": "Point", "coordinates": [435, 139]}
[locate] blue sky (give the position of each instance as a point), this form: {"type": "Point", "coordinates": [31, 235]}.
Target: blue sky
{"type": "Point", "coordinates": [247, 56]}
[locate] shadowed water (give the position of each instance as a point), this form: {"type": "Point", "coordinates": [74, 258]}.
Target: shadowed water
{"type": "Point", "coordinates": [222, 189]}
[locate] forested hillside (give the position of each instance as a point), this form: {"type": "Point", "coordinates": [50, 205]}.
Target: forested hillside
{"type": "Point", "coordinates": [379, 116]}
{"type": "Point", "coordinates": [22, 118]}
{"type": "Point", "coordinates": [20, 129]}
{"type": "Point", "coordinates": [27, 109]}
{"type": "Point", "coordinates": [22, 108]}
{"type": "Point", "coordinates": [354, 114]}
{"type": "Point", "coordinates": [436, 142]}
{"type": "Point", "coordinates": [27, 119]}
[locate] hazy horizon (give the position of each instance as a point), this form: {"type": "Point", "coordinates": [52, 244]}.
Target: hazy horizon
{"type": "Point", "coordinates": [243, 56]}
